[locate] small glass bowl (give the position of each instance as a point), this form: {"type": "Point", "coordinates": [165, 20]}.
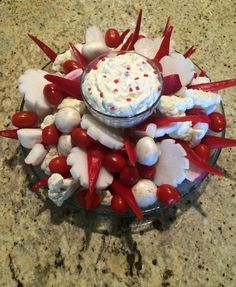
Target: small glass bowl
{"type": "Point", "coordinates": [114, 120]}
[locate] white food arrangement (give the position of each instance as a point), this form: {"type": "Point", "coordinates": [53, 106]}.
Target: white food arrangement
{"type": "Point", "coordinates": [122, 168]}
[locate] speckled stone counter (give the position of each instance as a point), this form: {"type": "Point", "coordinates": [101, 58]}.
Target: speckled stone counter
{"type": "Point", "coordinates": [41, 245]}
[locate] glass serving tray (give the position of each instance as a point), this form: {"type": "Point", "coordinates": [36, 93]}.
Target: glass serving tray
{"type": "Point", "coordinates": [104, 219]}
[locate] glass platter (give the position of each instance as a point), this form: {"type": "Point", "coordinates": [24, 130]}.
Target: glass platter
{"type": "Point", "coordinates": [103, 219]}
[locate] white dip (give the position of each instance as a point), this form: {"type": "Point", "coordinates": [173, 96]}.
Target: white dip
{"type": "Point", "coordinates": [122, 85]}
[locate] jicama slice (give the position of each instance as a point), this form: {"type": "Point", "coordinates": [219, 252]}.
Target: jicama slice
{"type": "Point", "coordinates": [172, 164]}
{"type": "Point", "coordinates": [36, 155]}
{"type": "Point", "coordinates": [107, 136]}
{"type": "Point", "coordinates": [176, 63]}
{"type": "Point", "coordinates": [31, 85]}
{"type": "Point", "coordinates": [29, 137]}
{"type": "Point", "coordinates": [79, 170]}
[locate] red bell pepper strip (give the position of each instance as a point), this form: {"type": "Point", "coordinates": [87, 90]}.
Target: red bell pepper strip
{"type": "Point", "coordinates": [167, 26]}
{"type": "Point", "coordinates": [130, 148]}
{"type": "Point", "coordinates": [40, 183]}
{"type": "Point", "coordinates": [95, 156]}
{"type": "Point", "coordinates": [122, 37]}
{"type": "Point", "coordinates": [214, 86]}
{"type": "Point", "coordinates": [81, 60]}
{"type": "Point", "coordinates": [127, 195]}
{"type": "Point", "coordinates": [48, 51]}
{"type": "Point", "coordinates": [164, 47]}
{"type": "Point", "coordinates": [189, 52]}
{"type": "Point", "coordinates": [165, 121]}
{"type": "Point", "coordinates": [126, 44]}
{"type": "Point", "coordinates": [11, 134]}
{"type": "Point", "coordinates": [69, 86]}
{"type": "Point", "coordinates": [197, 160]}
{"type": "Point", "coordinates": [136, 31]}
{"type": "Point", "coordinates": [202, 73]}
{"type": "Point", "coordinates": [195, 111]}
{"type": "Point", "coordinates": [218, 142]}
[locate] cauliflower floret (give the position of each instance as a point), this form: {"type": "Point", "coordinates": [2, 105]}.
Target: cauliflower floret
{"type": "Point", "coordinates": [78, 105]}
{"type": "Point", "coordinates": [52, 153]}
{"type": "Point", "coordinates": [174, 106]}
{"type": "Point", "coordinates": [61, 189]}
{"type": "Point", "coordinates": [47, 121]}
{"type": "Point", "coordinates": [202, 99]}
{"type": "Point", "coordinates": [186, 132]}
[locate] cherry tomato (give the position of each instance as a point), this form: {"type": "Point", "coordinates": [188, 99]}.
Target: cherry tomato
{"type": "Point", "coordinates": [129, 175]}
{"type": "Point", "coordinates": [81, 198]}
{"type": "Point", "coordinates": [70, 65]}
{"type": "Point", "coordinates": [217, 122]}
{"type": "Point", "coordinates": [118, 204]}
{"type": "Point", "coordinates": [114, 162]}
{"type": "Point", "coordinates": [58, 165]}
{"type": "Point", "coordinates": [53, 94]}
{"type": "Point", "coordinates": [50, 135]}
{"type": "Point", "coordinates": [203, 151]}
{"type": "Point", "coordinates": [80, 138]}
{"type": "Point", "coordinates": [25, 119]}
{"type": "Point", "coordinates": [112, 38]}
{"type": "Point", "coordinates": [167, 194]}
{"type": "Point", "coordinates": [147, 172]}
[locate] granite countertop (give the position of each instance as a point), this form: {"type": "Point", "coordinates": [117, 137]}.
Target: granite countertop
{"type": "Point", "coordinates": [41, 245]}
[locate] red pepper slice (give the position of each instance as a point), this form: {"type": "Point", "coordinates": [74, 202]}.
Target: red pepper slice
{"type": "Point", "coordinates": [130, 148]}
{"type": "Point", "coordinates": [218, 142]}
{"type": "Point", "coordinates": [126, 44]}
{"type": "Point", "coordinates": [11, 134]}
{"type": "Point", "coordinates": [127, 195]}
{"type": "Point", "coordinates": [136, 31]}
{"type": "Point", "coordinates": [198, 161]}
{"type": "Point", "coordinates": [48, 51]}
{"type": "Point", "coordinates": [40, 183]}
{"type": "Point", "coordinates": [95, 156]}
{"type": "Point", "coordinates": [69, 86]}
{"type": "Point", "coordinates": [214, 86]}
{"type": "Point", "coordinates": [202, 73]}
{"type": "Point", "coordinates": [164, 47]}
{"type": "Point", "coordinates": [122, 37]}
{"type": "Point", "coordinates": [189, 52]}
{"type": "Point", "coordinates": [165, 121]}
{"type": "Point", "coordinates": [82, 61]}
{"type": "Point", "coordinates": [167, 26]}
{"type": "Point", "coordinates": [195, 111]}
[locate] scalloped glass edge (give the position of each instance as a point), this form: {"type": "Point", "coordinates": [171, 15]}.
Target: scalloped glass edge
{"type": "Point", "coordinates": [185, 188]}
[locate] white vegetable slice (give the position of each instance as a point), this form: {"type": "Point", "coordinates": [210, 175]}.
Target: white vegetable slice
{"type": "Point", "coordinates": [172, 164]}
{"type": "Point", "coordinates": [193, 173]}
{"type": "Point", "coordinates": [144, 192]}
{"type": "Point", "coordinates": [178, 64]}
{"type": "Point", "coordinates": [31, 85]}
{"type": "Point", "coordinates": [200, 80]}
{"type": "Point", "coordinates": [29, 137]}
{"type": "Point", "coordinates": [79, 171]}
{"type": "Point", "coordinates": [93, 34]}
{"type": "Point", "coordinates": [149, 47]}
{"type": "Point", "coordinates": [93, 50]}
{"type": "Point", "coordinates": [105, 135]}
{"type": "Point", "coordinates": [36, 155]}
{"type": "Point", "coordinates": [147, 151]}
